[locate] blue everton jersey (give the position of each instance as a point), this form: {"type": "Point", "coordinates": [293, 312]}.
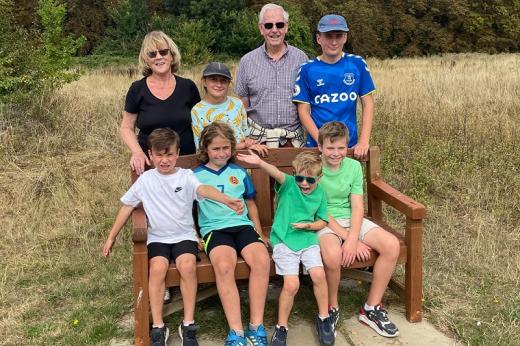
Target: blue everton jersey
{"type": "Point", "coordinates": [232, 180]}
{"type": "Point", "coordinates": [332, 90]}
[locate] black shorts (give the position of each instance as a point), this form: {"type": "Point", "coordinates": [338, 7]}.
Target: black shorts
{"type": "Point", "coordinates": [237, 237]}
{"type": "Point", "coordinates": [172, 251]}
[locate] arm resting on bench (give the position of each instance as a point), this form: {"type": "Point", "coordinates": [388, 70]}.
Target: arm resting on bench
{"type": "Point", "coordinates": [406, 205]}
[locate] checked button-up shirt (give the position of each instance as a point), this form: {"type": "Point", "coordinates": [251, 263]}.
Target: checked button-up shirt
{"type": "Point", "coordinates": [269, 84]}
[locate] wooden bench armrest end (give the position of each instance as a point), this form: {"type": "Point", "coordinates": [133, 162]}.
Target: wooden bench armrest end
{"type": "Point", "coordinates": [404, 204]}
{"type": "Point", "coordinates": [139, 227]}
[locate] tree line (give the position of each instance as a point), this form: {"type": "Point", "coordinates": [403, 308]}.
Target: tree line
{"type": "Point", "coordinates": [55, 30]}
{"type": "Point", "coordinates": [380, 28]}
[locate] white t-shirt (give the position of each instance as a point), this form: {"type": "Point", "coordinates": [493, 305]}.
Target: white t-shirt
{"type": "Point", "coordinates": [167, 201]}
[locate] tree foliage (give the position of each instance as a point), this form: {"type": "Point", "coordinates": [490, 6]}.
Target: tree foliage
{"type": "Point", "coordinates": [30, 60]}
{"type": "Point", "coordinates": [382, 28]}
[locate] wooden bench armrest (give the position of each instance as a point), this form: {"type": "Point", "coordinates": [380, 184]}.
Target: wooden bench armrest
{"type": "Point", "coordinates": [139, 227]}
{"type": "Point", "coordinates": [406, 205]}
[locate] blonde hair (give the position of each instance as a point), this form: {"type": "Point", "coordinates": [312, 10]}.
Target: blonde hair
{"type": "Point", "coordinates": [210, 132]}
{"type": "Point", "coordinates": [307, 162]}
{"type": "Point", "coordinates": [150, 43]}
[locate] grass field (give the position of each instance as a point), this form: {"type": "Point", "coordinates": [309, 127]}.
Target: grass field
{"type": "Point", "coordinates": [449, 132]}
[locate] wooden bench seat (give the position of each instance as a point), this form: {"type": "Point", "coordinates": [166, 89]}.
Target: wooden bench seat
{"type": "Point", "coordinates": [377, 192]}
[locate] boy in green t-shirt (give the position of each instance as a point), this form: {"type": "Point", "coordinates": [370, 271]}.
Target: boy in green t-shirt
{"type": "Point", "coordinates": [349, 234]}
{"type": "Point", "coordinates": [301, 211]}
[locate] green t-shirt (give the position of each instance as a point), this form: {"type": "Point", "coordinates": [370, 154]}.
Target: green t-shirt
{"type": "Point", "coordinates": [295, 206]}
{"type": "Point", "coordinates": [340, 184]}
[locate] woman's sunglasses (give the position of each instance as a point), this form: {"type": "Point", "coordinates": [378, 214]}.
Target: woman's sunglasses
{"type": "Point", "coordinates": [301, 178]}
{"type": "Point", "coordinates": [153, 54]}
{"type": "Point", "coordinates": [269, 26]}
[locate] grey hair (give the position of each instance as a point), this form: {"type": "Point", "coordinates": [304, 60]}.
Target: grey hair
{"type": "Point", "coordinates": [272, 7]}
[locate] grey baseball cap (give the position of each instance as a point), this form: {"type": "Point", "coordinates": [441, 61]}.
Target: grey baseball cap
{"type": "Point", "coordinates": [332, 22]}
{"type": "Point", "coordinates": [216, 69]}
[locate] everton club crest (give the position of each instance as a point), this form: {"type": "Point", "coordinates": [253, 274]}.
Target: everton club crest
{"type": "Point", "coordinates": [349, 79]}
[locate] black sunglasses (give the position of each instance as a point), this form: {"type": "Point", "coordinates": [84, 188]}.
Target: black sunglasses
{"type": "Point", "coordinates": [301, 178]}
{"type": "Point", "coordinates": [269, 26]}
{"type": "Point", "coordinates": [163, 52]}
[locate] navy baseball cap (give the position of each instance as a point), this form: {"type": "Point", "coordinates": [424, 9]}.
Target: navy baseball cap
{"type": "Point", "coordinates": [332, 22]}
{"type": "Point", "coordinates": [216, 69]}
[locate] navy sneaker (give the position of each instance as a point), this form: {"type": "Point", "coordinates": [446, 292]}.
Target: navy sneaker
{"type": "Point", "coordinates": [377, 319]}
{"type": "Point", "coordinates": [159, 336]}
{"type": "Point", "coordinates": [256, 337]}
{"type": "Point", "coordinates": [235, 340]}
{"type": "Point", "coordinates": [334, 318]}
{"type": "Point", "coordinates": [325, 332]}
{"type": "Point", "coordinates": [188, 334]}
{"type": "Point", "coordinates": [279, 337]}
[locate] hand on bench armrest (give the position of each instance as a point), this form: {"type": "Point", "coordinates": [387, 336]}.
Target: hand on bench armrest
{"type": "Point", "coordinates": [139, 227]}
{"type": "Point", "coordinates": [406, 205]}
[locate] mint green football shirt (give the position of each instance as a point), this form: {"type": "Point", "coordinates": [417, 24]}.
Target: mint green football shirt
{"type": "Point", "coordinates": [340, 184]}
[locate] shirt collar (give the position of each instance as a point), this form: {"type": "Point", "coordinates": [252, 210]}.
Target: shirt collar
{"type": "Point", "coordinates": [264, 48]}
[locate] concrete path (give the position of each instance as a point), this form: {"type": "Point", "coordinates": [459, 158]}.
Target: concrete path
{"type": "Point", "coordinates": [357, 334]}
{"type": "Point", "coordinates": [416, 334]}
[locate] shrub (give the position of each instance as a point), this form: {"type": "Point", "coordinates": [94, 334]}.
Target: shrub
{"type": "Point", "coordinates": [193, 37]}
{"type": "Point", "coordinates": [31, 62]}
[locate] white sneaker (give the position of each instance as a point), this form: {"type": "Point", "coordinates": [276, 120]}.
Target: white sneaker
{"type": "Point", "coordinates": [167, 297]}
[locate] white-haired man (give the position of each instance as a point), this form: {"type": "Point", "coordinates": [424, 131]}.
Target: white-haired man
{"type": "Point", "coordinates": [265, 82]}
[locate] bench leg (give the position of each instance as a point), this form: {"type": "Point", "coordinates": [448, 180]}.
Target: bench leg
{"type": "Point", "coordinates": [141, 302]}
{"type": "Point", "coordinates": [413, 277]}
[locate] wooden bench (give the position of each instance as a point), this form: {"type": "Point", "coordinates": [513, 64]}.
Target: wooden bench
{"type": "Point", "coordinates": [377, 192]}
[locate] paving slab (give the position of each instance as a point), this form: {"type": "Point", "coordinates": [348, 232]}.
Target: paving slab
{"type": "Point", "coordinates": [300, 333]}
{"type": "Point", "coordinates": [416, 334]}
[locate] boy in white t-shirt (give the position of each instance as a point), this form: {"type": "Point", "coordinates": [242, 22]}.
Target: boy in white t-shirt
{"type": "Point", "coordinates": [167, 194]}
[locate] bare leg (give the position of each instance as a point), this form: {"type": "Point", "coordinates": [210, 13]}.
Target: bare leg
{"type": "Point", "coordinates": [186, 264]}
{"type": "Point", "coordinates": [387, 245]}
{"type": "Point", "coordinates": [158, 269]}
{"type": "Point", "coordinates": [319, 283]}
{"type": "Point", "coordinates": [330, 248]}
{"type": "Point", "coordinates": [291, 284]}
{"type": "Point", "coordinates": [257, 258]}
{"type": "Point", "coordinates": [224, 260]}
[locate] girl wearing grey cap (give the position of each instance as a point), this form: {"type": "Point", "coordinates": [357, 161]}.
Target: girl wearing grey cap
{"type": "Point", "coordinates": [218, 106]}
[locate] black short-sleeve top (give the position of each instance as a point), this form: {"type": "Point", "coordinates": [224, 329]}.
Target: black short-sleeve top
{"type": "Point", "coordinates": [174, 112]}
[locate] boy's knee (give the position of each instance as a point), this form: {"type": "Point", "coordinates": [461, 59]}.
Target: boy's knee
{"type": "Point", "coordinates": [224, 268]}
{"type": "Point", "coordinates": [393, 248]}
{"type": "Point", "coordinates": [158, 269]}
{"type": "Point", "coordinates": [318, 275]}
{"type": "Point", "coordinates": [291, 287]}
{"type": "Point", "coordinates": [331, 259]}
{"type": "Point", "coordinates": [261, 260]}
{"type": "Point", "coordinates": [186, 265]}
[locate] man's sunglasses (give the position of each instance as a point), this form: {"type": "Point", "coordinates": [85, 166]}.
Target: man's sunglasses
{"type": "Point", "coordinates": [269, 26]}
{"type": "Point", "coordinates": [163, 52]}
{"type": "Point", "coordinates": [301, 178]}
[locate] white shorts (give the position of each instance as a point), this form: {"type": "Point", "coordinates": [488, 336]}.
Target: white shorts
{"type": "Point", "coordinates": [366, 226]}
{"type": "Point", "coordinates": [287, 261]}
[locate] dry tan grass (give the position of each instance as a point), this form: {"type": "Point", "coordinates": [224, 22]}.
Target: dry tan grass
{"type": "Point", "coordinates": [449, 129]}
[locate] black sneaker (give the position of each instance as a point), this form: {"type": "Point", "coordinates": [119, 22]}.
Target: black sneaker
{"type": "Point", "coordinates": [188, 334]}
{"type": "Point", "coordinates": [279, 337]}
{"type": "Point", "coordinates": [159, 336]}
{"type": "Point", "coordinates": [377, 319]}
{"type": "Point", "coordinates": [334, 318]}
{"type": "Point", "coordinates": [325, 332]}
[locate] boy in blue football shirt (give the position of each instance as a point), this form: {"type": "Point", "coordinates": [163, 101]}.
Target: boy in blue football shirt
{"type": "Point", "coordinates": [327, 88]}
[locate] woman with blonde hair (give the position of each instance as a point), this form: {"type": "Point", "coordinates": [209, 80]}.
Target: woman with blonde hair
{"type": "Point", "coordinates": [160, 99]}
